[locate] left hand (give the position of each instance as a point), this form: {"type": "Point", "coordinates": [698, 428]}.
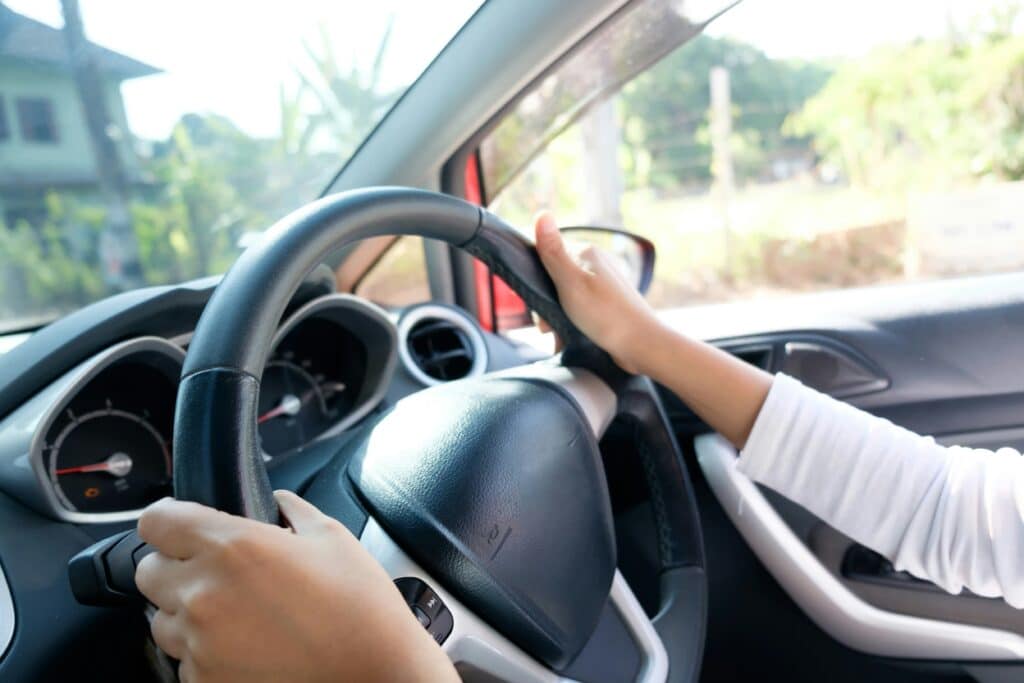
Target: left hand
{"type": "Point", "coordinates": [597, 297]}
{"type": "Point", "coordinates": [240, 600]}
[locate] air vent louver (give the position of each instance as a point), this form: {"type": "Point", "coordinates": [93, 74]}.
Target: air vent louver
{"type": "Point", "coordinates": [439, 344]}
{"type": "Point", "coordinates": [440, 349]}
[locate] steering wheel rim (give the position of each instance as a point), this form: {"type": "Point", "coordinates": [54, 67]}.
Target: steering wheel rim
{"type": "Point", "coordinates": [214, 430]}
{"type": "Point", "coordinates": [217, 458]}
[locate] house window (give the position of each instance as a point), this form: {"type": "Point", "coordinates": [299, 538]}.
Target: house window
{"type": "Point", "coordinates": [5, 130]}
{"type": "Point", "coordinates": [35, 117]}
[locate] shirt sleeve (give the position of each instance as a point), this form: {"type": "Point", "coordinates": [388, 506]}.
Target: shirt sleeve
{"type": "Point", "coordinates": [952, 515]}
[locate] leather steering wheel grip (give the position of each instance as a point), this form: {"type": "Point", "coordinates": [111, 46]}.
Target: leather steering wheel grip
{"type": "Point", "coordinates": [217, 459]}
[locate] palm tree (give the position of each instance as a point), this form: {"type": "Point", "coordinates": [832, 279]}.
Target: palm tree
{"type": "Point", "coordinates": [351, 100]}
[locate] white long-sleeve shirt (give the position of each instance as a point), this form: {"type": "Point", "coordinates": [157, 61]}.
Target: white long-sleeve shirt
{"type": "Point", "coordinates": [954, 516]}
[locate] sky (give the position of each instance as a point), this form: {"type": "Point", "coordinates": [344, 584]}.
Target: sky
{"type": "Point", "coordinates": [231, 56]}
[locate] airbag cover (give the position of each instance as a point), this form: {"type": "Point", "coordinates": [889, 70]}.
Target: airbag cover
{"type": "Point", "coordinates": [496, 487]}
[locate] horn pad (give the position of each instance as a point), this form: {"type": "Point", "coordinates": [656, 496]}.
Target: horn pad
{"type": "Point", "coordinates": [495, 486]}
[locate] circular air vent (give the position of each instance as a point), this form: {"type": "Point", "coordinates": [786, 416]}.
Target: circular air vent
{"type": "Point", "coordinates": [438, 344]}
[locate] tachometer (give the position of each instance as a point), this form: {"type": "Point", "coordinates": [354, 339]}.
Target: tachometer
{"type": "Point", "coordinates": [293, 404]}
{"type": "Point", "coordinates": [108, 459]}
{"type": "Point", "coordinates": [312, 380]}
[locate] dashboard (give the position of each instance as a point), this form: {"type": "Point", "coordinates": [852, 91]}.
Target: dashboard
{"type": "Point", "coordinates": [87, 406]}
{"type": "Point", "coordinates": [96, 444]}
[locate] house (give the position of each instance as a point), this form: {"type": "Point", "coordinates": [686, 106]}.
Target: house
{"type": "Point", "coordinates": [44, 139]}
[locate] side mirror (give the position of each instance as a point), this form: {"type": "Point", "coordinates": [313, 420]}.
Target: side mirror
{"type": "Point", "coordinates": [635, 254]}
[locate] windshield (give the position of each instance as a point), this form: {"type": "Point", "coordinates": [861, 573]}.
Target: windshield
{"type": "Point", "coordinates": [146, 143]}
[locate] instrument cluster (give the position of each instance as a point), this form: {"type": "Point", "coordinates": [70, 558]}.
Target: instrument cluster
{"type": "Point", "coordinates": [99, 439]}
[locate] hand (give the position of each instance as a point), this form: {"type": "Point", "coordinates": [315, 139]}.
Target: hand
{"type": "Point", "coordinates": [241, 600]}
{"type": "Point", "coordinates": [597, 297]}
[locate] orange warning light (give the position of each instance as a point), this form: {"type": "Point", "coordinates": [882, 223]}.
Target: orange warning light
{"type": "Point", "coordinates": [92, 492]}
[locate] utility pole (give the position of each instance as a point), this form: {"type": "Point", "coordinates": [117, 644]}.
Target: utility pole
{"type": "Point", "coordinates": [119, 249]}
{"type": "Point", "coordinates": [721, 158]}
{"type": "Point", "coordinates": [601, 138]}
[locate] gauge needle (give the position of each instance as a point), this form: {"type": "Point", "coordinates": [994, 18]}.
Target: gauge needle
{"type": "Point", "coordinates": [290, 405]}
{"type": "Point", "coordinates": [119, 464]}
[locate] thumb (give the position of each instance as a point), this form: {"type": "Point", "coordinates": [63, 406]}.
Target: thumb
{"type": "Point", "coordinates": [551, 248]}
{"type": "Point", "coordinates": [301, 516]}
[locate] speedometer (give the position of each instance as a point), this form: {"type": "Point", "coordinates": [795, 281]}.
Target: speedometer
{"type": "Point", "coordinates": [106, 449]}
{"type": "Point", "coordinates": [109, 459]}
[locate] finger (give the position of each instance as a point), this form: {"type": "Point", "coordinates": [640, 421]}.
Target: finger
{"type": "Point", "coordinates": [175, 527]}
{"type": "Point", "coordinates": [187, 671]}
{"type": "Point", "coordinates": [159, 579]}
{"type": "Point", "coordinates": [168, 634]}
{"type": "Point", "coordinates": [303, 517]}
{"type": "Point", "coordinates": [551, 248]}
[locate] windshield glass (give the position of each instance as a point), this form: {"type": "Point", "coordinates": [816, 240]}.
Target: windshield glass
{"type": "Point", "coordinates": [145, 143]}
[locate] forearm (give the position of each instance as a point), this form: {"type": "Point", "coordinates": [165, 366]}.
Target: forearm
{"type": "Point", "coordinates": [722, 390]}
{"type": "Point", "coordinates": [947, 514]}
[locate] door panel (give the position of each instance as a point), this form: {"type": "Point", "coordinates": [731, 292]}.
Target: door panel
{"type": "Point", "coordinates": [938, 358]}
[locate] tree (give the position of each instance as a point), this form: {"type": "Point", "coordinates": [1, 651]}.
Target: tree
{"type": "Point", "coordinates": [351, 101]}
{"type": "Point", "coordinates": [212, 180]}
{"type": "Point", "coordinates": [46, 269]}
{"type": "Point", "coordinates": [665, 109]}
{"type": "Point", "coordinates": [212, 185]}
{"type": "Point", "coordinates": [119, 250]}
{"type": "Point", "coordinates": [925, 114]}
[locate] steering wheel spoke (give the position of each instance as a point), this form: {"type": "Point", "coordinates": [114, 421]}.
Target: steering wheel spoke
{"type": "Point", "coordinates": [594, 397]}
{"type": "Point", "coordinates": [480, 651]}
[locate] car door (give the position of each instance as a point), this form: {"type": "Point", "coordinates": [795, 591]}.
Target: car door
{"type": "Point", "coordinates": [774, 248]}
{"type": "Point", "coordinates": [793, 592]}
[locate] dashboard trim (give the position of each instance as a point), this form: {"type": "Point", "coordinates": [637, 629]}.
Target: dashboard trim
{"type": "Point", "coordinates": [75, 380]}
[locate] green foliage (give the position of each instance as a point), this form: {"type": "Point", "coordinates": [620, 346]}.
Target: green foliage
{"type": "Point", "coordinates": [665, 110]}
{"type": "Point", "coordinates": [199, 214]}
{"type": "Point", "coordinates": [51, 267]}
{"type": "Point", "coordinates": [926, 114]}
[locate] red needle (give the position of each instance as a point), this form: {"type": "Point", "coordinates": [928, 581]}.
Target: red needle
{"type": "Point", "coordinates": [118, 464]}
{"type": "Point", "coordinates": [290, 405]}
{"type": "Point", "coordinates": [271, 414]}
{"type": "Point", "coordinates": [96, 467]}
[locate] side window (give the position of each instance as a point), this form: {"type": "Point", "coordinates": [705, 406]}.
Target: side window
{"type": "Point", "coordinates": [36, 119]}
{"type": "Point", "coordinates": [758, 175]}
{"type": "Point", "coordinates": [399, 277]}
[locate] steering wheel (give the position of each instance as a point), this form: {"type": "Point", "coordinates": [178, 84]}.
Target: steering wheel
{"type": "Point", "coordinates": [486, 498]}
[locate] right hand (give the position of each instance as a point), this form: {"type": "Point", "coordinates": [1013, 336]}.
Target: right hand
{"type": "Point", "coordinates": [597, 297]}
{"type": "Point", "coordinates": [240, 600]}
